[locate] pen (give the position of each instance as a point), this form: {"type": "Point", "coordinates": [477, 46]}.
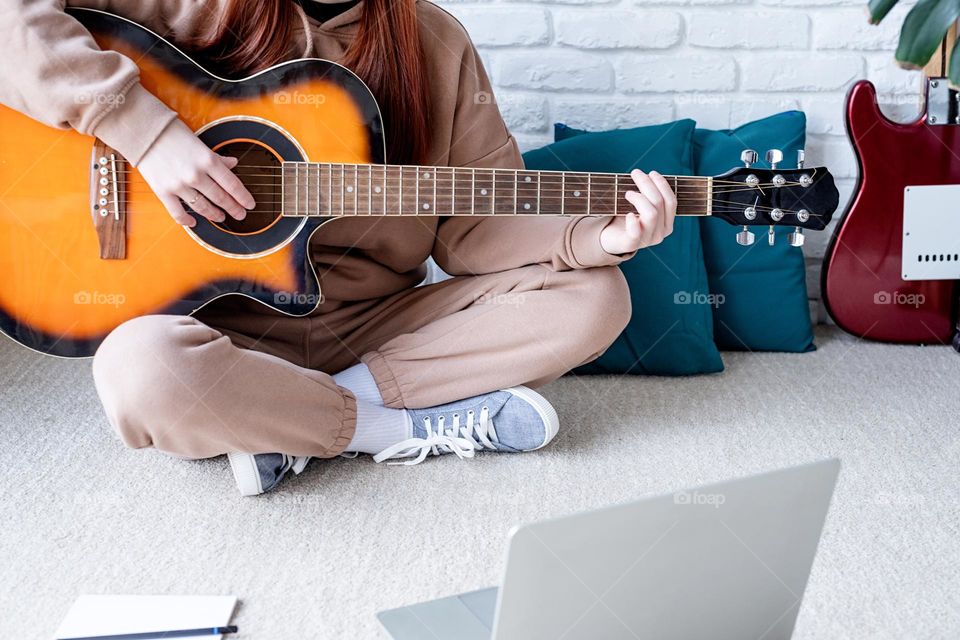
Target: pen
{"type": "Point", "coordinates": [150, 635]}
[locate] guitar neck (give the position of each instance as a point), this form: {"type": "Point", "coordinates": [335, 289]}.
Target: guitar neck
{"type": "Point", "coordinates": [333, 190]}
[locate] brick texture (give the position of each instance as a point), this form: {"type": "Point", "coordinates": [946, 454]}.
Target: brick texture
{"type": "Point", "coordinates": [601, 64]}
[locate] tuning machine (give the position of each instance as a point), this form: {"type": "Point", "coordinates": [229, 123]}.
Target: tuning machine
{"type": "Point", "coordinates": [795, 238]}
{"type": "Point", "coordinates": [774, 157]}
{"type": "Point", "coordinates": [748, 157]}
{"type": "Point", "coordinates": [745, 238]}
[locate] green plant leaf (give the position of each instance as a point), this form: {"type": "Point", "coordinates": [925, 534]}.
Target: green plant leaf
{"type": "Point", "coordinates": [879, 9]}
{"type": "Point", "coordinates": [954, 68]}
{"type": "Point", "coordinates": [924, 29]}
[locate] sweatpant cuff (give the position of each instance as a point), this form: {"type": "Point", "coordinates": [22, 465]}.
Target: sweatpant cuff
{"type": "Point", "coordinates": [348, 425]}
{"type": "Point", "coordinates": [386, 381]}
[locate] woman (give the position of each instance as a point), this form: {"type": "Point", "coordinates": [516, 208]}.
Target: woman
{"type": "Point", "coordinates": [382, 367]}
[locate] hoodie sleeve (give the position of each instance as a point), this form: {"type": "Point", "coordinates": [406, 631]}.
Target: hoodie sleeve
{"type": "Point", "coordinates": [54, 72]}
{"type": "Point", "coordinates": [468, 245]}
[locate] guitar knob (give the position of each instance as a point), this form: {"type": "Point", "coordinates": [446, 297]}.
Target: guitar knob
{"type": "Point", "coordinates": [748, 157]}
{"type": "Point", "coordinates": [774, 157]}
{"type": "Point", "coordinates": [800, 158]}
{"type": "Point", "coordinates": [795, 238]}
{"type": "Point", "coordinates": [745, 238]}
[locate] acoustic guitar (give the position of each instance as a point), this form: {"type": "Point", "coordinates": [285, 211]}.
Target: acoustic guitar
{"type": "Point", "coordinates": [86, 245]}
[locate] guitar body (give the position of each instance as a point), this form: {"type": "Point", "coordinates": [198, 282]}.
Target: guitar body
{"type": "Point", "coordinates": [59, 296]}
{"type": "Point", "coordinates": [861, 281]}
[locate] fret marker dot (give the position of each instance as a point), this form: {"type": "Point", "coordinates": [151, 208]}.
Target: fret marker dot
{"type": "Point", "coordinates": [426, 176]}
{"type": "Point", "coordinates": [376, 189]}
{"type": "Point", "coordinates": [350, 189]}
{"type": "Point", "coordinates": [576, 194]}
{"type": "Point", "coordinates": [527, 179]}
{"type": "Point", "coordinates": [526, 205]}
{"type": "Point", "coordinates": [483, 192]}
{"type": "Point", "coordinates": [426, 206]}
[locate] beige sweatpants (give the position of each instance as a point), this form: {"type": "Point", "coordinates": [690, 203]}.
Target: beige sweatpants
{"type": "Point", "coordinates": [259, 382]}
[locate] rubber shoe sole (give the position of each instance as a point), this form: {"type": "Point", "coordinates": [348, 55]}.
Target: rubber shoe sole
{"type": "Point", "coordinates": [543, 408]}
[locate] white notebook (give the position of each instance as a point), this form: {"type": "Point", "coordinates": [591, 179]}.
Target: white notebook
{"type": "Point", "coordinates": [111, 615]}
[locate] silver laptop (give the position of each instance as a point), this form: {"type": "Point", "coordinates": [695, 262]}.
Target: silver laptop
{"type": "Point", "coordinates": [725, 561]}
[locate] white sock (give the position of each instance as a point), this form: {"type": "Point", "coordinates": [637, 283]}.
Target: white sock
{"type": "Point", "coordinates": [379, 427]}
{"type": "Point", "coordinates": [360, 382]}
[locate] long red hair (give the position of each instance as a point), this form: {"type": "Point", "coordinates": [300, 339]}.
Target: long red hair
{"type": "Point", "coordinates": [386, 54]}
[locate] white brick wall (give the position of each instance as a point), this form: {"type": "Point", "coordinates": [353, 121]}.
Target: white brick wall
{"type": "Point", "coordinates": [601, 64]}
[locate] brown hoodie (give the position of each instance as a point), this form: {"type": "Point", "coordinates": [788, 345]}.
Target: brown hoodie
{"type": "Point", "coordinates": [53, 69]}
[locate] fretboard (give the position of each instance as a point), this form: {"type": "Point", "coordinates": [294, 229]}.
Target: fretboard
{"type": "Point", "coordinates": [331, 190]}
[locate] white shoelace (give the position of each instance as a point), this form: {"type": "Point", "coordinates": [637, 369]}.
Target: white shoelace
{"type": "Point", "coordinates": [464, 441]}
{"type": "Point", "coordinates": [295, 464]}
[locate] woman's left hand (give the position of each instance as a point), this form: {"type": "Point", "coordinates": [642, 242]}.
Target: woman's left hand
{"type": "Point", "coordinates": [656, 207]}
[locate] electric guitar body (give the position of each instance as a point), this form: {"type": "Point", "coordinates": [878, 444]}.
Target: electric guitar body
{"type": "Point", "coordinates": [861, 278]}
{"type": "Point", "coordinates": [85, 244]}
{"type": "Point", "coordinates": [61, 297]}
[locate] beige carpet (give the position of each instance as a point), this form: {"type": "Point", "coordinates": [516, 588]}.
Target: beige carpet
{"type": "Point", "coordinates": [347, 538]}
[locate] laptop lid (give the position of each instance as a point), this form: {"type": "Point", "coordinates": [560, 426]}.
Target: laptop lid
{"type": "Point", "coordinates": [726, 562]}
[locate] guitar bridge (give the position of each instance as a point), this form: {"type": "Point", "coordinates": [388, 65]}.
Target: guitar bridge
{"type": "Point", "coordinates": [108, 200]}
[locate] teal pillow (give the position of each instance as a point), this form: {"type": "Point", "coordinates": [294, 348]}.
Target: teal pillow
{"type": "Point", "coordinates": [668, 334]}
{"type": "Point", "coordinates": [764, 288]}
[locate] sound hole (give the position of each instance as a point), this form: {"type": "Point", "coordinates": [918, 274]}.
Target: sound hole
{"type": "Point", "coordinates": [259, 171]}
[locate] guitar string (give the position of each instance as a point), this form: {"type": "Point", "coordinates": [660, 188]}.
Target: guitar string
{"type": "Point", "coordinates": [497, 174]}
{"type": "Point", "coordinates": [690, 183]}
{"type": "Point", "coordinates": [726, 207]}
{"type": "Point", "coordinates": [738, 186]}
{"type": "Point", "coordinates": [689, 188]}
{"type": "Point", "coordinates": [393, 205]}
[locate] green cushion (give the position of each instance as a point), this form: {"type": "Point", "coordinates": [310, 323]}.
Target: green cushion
{"type": "Point", "coordinates": [667, 335]}
{"type": "Point", "coordinates": [763, 288]}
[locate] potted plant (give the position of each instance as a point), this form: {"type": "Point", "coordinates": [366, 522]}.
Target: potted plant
{"type": "Point", "coordinates": [923, 30]}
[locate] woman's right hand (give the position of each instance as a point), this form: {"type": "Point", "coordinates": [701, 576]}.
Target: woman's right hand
{"type": "Point", "coordinates": [180, 167]}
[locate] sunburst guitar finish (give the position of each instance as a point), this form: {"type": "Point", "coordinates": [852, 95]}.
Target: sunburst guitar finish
{"type": "Point", "coordinates": [61, 297]}
{"type": "Point", "coordinates": [86, 245]}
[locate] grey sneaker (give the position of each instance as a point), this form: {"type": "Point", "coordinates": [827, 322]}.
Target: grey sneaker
{"type": "Point", "coordinates": [512, 420]}
{"type": "Point", "coordinates": [258, 473]}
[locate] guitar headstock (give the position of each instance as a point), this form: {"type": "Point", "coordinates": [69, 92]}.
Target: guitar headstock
{"type": "Point", "coordinates": [801, 198]}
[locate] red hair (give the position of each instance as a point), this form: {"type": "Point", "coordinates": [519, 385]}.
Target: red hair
{"type": "Point", "coordinates": [385, 54]}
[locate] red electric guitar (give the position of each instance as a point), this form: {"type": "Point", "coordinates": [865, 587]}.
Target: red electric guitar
{"type": "Point", "coordinates": [892, 268]}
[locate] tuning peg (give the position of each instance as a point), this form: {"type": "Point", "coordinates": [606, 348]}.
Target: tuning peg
{"type": "Point", "coordinates": [745, 238]}
{"type": "Point", "coordinates": [748, 157]}
{"type": "Point", "coordinates": [795, 238]}
{"type": "Point", "coordinates": [774, 157]}
{"type": "Point", "coordinates": [800, 158]}
{"type": "Point", "coordinates": [771, 236]}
